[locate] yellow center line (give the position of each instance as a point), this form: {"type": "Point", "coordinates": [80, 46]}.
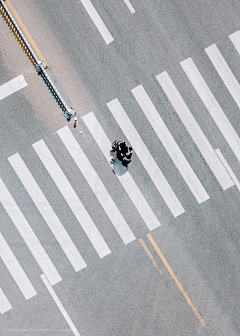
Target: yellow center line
{"type": "Point", "coordinates": [151, 257]}
{"type": "Point", "coordinates": [25, 31]}
{"type": "Point", "coordinates": [178, 283]}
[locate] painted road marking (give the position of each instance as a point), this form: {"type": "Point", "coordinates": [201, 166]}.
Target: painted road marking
{"type": "Point", "coordinates": [212, 105]}
{"type": "Point", "coordinates": [129, 6]}
{"type": "Point", "coordinates": [194, 130]}
{"type": "Point", "coordinates": [12, 86]}
{"type": "Point", "coordinates": [97, 21]}
{"type": "Point", "coordinates": [96, 184]}
{"type": "Point", "coordinates": [60, 306]}
{"type": "Point", "coordinates": [235, 38]}
{"type": "Point", "coordinates": [146, 158]}
{"type": "Point", "coordinates": [71, 198]}
{"type": "Point", "coordinates": [4, 303]}
{"type": "Point", "coordinates": [151, 258]}
{"type": "Point", "coordinates": [224, 72]}
{"type": "Point", "coordinates": [178, 283]}
{"type": "Point", "coordinates": [16, 270]}
{"type": "Point", "coordinates": [47, 212]}
{"type": "Point", "coordinates": [170, 144]}
{"type": "Point", "coordinates": [228, 168]}
{"type": "Point", "coordinates": [126, 180]}
{"type": "Point", "coordinates": [25, 31]}
{"type": "Point", "coordinates": [28, 235]}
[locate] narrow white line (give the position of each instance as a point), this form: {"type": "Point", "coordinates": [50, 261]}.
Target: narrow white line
{"type": "Point", "coordinates": [97, 21]}
{"type": "Point", "coordinates": [194, 130]}
{"type": "Point", "coordinates": [235, 38]}
{"type": "Point", "coordinates": [126, 180]}
{"type": "Point", "coordinates": [4, 303]}
{"type": "Point", "coordinates": [146, 158]}
{"type": "Point", "coordinates": [16, 270]}
{"type": "Point", "coordinates": [60, 306]}
{"type": "Point", "coordinates": [28, 235]}
{"type": "Point", "coordinates": [47, 212]}
{"type": "Point", "coordinates": [170, 144]}
{"type": "Point", "coordinates": [228, 168]}
{"type": "Point", "coordinates": [224, 72]}
{"type": "Point", "coordinates": [129, 5]}
{"type": "Point", "coordinates": [71, 198]}
{"type": "Point", "coordinates": [212, 105]}
{"type": "Point", "coordinates": [96, 184]}
{"type": "Point", "coordinates": [12, 86]}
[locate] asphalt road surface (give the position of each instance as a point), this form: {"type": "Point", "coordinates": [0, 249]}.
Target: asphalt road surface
{"type": "Point", "coordinates": [152, 251]}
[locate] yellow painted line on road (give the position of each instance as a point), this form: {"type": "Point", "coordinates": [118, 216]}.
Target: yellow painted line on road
{"type": "Point", "coordinates": [25, 31]}
{"type": "Point", "coordinates": [151, 257]}
{"type": "Point", "coordinates": [178, 283]}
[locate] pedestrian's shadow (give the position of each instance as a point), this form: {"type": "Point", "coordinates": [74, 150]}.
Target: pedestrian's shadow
{"type": "Point", "coordinates": [117, 166]}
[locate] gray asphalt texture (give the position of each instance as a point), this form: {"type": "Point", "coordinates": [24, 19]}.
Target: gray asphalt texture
{"type": "Point", "coordinates": [123, 294]}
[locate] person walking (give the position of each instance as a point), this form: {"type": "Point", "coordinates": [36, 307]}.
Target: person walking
{"type": "Point", "coordinates": [121, 148]}
{"type": "Point", "coordinates": [127, 158]}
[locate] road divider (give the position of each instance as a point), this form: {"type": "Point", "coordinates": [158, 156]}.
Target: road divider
{"type": "Point", "coordinates": [39, 64]}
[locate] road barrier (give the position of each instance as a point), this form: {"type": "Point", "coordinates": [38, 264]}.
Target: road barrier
{"type": "Point", "coordinates": [39, 65]}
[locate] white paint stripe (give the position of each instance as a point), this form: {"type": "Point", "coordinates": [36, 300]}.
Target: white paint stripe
{"type": "Point", "coordinates": [235, 38]}
{"type": "Point", "coordinates": [96, 184]}
{"type": "Point", "coordinates": [212, 105]}
{"type": "Point", "coordinates": [47, 212]}
{"type": "Point", "coordinates": [28, 235]}
{"type": "Point", "coordinates": [146, 158]}
{"type": "Point", "coordinates": [126, 180]}
{"type": "Point", "coordinates": [224, 72]}
{"type": "Point", "coordinates": [228, 168]}
{"type": "Point", "coordinates": [16, 270]}
{"type": "Point", "coordinates": [60, 306]}
{"type": "Point", "coordinates": [170, 144]}
{"type": "Point", "coordinates": [71, 198]}
{"type": "Point", "coordinates": [194, 130]}
{"type": "Point", "coordinates": [12, 86]}
{"type": "Point", "coordinates": [4, 303]}
{"type": "Point", "coordinates": [129, 5]}
{"type": "Point", "coordinates": [97, 21]}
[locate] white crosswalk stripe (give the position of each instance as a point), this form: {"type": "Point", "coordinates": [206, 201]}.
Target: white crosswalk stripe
{"type": "Point", "coordinates": [5, 305]}
{"type": "Point", "coordinates": [212, 105]}
{"type": "Point", "coordinates": [47, 212]}
{"type": "Point", "coordinates": [28, 235]}
{"type": "Point", "coordinates": [71, 198]}
{"type": "Point", "coordinates": [170, 144]}
{"type": "Point", "coordinates": [224, 72]}
{"type": "Point", "coordinates": [97, 21]}
{"type": "Point", "coordinates": [194, 130]}
{"type": "Point", "coordinates": [146, 158]}
{"type": "Point", "coordinates": [16, 270]}
{"type": "Point", "coordinates": [235, 38]}
{"type": "Point", "coordinates": [12, 86]}
{"type": "Point", "coordinates": [126, 180]}
{"type": "Point", "coordinates": [96, 184]}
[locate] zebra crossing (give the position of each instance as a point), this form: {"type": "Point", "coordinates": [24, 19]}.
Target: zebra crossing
{"type": "Point", "coordinates": [47, 161]}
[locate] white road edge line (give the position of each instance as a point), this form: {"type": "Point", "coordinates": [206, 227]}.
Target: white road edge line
{"type": "Point", "coordinates": [129, 6]}
{"type": "Point", "coordinates": [97, 21]}
{"type": "Point", "coordinates": [4, 303]}
{"type": "Point", "coordinates": [60, 306]}
{"type": "Point", "coordinates": [12, 86]}
{"type": "Point", "coordinates": [228, 168]}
